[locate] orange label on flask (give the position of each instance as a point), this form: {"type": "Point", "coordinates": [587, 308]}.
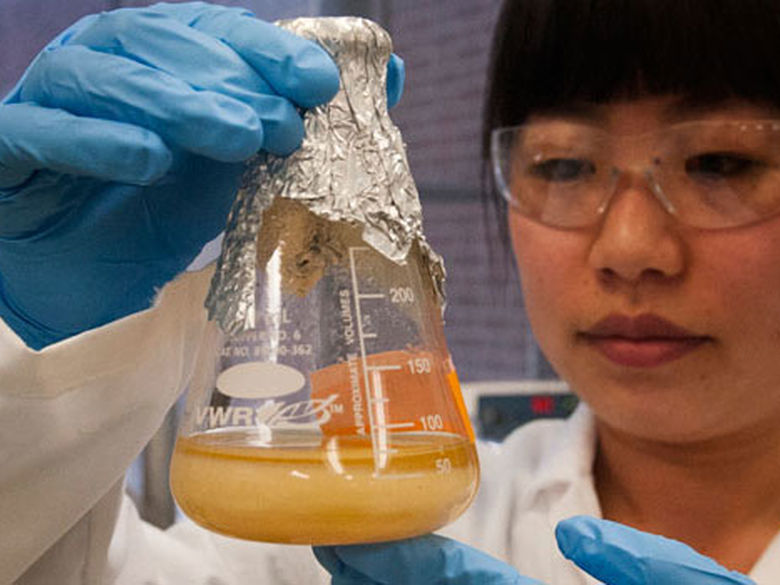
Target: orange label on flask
{"type": "Point", "coordinates": [402, 390]}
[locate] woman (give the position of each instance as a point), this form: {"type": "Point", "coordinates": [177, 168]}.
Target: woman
{"type": "Point", "coordinates": [635, 144]}
{"type": "Point", "coordinates": [653, 301]}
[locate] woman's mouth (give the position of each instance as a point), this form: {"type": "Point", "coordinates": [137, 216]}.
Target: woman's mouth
{"type": "Point", "coordinates": [643, 341]}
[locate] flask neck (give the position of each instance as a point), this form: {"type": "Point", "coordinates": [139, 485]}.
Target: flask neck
{"type": "Point", "coordinates": [361, 49]}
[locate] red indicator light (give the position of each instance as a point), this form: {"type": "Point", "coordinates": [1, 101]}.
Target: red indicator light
{"type": "Point", "coordinates": [543, 405]}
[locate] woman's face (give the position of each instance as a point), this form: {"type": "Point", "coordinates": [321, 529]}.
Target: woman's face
{"type": "Point", "coordinates": [669, 332]}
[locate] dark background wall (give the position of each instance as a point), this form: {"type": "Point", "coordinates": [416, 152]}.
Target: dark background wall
{"type": "Point", "coordinates": [445, 46]}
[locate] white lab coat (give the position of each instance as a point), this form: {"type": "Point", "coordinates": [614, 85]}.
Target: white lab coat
{"type": "Point", "coordinates": [72, 419]}
{"type": "Point", "coordinates": [75, 415]}
{"type": "Point", "coordinates": [540, 475]}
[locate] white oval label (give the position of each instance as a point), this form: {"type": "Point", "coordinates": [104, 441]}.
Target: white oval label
{"type": "Point", "coordinates": [260, 380]}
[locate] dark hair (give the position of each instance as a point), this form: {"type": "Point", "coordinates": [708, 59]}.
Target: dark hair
{"type": "Point", "coordinates": [549, 53]}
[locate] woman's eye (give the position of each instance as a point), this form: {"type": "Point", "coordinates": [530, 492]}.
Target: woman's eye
{"type": "Point", "coordinates": [721, 165]}
{"type": "Point", "coordinates": [563, 169]}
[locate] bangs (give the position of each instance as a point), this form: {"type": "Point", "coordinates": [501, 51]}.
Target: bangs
{"type": "Point", "coordinates": [550, 53]}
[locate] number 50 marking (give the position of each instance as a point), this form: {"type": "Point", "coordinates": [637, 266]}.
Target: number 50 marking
{"type": "Point", "coordinates": [443, 465]}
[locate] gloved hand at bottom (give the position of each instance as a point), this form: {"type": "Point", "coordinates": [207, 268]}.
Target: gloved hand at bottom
{"type": "Point", "coordinates": [612, 553]}
{"type": "Point", "coordinates": [429, 560]}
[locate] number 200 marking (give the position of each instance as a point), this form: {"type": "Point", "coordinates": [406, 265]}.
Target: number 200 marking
{"type": "Point", "coordinates": [401, 294]}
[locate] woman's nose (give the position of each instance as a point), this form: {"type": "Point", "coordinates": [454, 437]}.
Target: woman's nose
{"type": "Point", "coordinates": [637, 238]}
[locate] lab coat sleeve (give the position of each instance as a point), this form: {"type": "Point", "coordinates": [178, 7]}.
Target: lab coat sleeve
{"type": "Point", "coordinates": [74, 415]}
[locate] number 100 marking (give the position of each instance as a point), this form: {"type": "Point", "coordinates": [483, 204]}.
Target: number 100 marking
{"type": "Point", "coordinates": [432, 422]}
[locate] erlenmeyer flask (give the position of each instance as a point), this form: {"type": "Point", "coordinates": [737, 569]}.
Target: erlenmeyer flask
{"type": "Point", "coordinates": [337, 418]}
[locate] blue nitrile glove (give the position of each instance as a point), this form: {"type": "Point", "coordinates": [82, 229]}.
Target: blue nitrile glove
{"type": "Point", "coordinates": [612, 553]}
{"type": "Point", "coordinates": [427, 560]}
{"type": "Point", "coordinates": [618, 555]}
{"type": "Point", "coordinates": [121, 150]}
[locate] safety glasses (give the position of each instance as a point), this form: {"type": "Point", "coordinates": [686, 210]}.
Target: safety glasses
{"type": "Point", "coordinates": [708, 174]}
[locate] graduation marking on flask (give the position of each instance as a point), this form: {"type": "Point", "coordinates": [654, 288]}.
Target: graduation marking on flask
{"type": "Point", "coordinates": [372, 375]}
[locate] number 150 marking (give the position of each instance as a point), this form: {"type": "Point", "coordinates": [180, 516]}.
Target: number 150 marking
{"type": "Point", "coordinates": [419, 366]}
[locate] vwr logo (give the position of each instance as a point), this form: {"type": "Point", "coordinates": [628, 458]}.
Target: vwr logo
{"type": "Point", "coordinates": [307, 414]}
{"type": "Point", "coordinates": [256, 380]}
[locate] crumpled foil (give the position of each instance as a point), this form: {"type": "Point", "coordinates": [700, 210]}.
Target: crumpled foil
{"type": "Point", "coordinates": [351, 167]}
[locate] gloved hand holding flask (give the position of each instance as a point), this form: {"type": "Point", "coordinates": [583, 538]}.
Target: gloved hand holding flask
{"type": "Point", "coordinates": [121, 150]}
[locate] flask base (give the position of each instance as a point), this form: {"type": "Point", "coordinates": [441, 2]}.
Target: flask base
{"type": "Point", "coordinates": [336, 491]}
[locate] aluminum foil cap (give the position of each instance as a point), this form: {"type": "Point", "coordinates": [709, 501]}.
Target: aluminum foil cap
{"type": "Point", "coordinates": [351, 167]}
